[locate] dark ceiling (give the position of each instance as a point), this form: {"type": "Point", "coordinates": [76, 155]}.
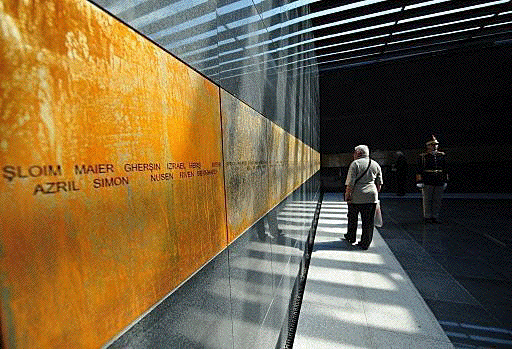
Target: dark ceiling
{"type": "Point", "coordinates": [349, 33]}
{"type": "Point", "coordinates": [394, 72]}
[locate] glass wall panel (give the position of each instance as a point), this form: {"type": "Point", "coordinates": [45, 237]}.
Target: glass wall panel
{"type": "Point", "coordinates": [185, 28]}
{"type": "Point", "coordinates": [259, 51]}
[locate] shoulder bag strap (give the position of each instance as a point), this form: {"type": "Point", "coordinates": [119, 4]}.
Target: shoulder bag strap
{"type": "Point", "coordinates": [362, 174]}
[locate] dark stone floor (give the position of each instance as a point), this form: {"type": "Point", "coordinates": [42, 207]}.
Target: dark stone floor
{"type": "Point", "coordinates": [462, 267]}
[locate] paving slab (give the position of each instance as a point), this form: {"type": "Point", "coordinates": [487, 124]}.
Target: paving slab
{"type": "Point", "coordinates": [360, 299]}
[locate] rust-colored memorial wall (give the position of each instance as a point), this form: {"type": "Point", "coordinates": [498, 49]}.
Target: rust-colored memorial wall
{"type": "Point", "coordinates": [259, 154]}
{"type": "Point", "coordinates": [112, 190]}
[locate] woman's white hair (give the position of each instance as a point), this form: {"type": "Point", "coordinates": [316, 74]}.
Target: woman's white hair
{"type": "Point", "coordinates": [363, 150]}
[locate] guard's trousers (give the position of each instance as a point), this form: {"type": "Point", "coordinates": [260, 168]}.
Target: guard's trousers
{"type": "Point", "coordinates": [432, 195]}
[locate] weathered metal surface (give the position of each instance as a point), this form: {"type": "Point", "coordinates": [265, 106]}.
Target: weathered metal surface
{"type": "Point", "coordinates": [263, 164]}
{"type": "Point", "coordinates": [245, 139]}
{"type": "Point", "coordinates": [112, 181]}
{"type": "Point", "coordinates": [278, 165]}
{"type": "Point", "coordinates": [293, 152]}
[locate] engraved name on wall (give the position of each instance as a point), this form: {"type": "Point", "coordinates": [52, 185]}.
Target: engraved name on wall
{"type": "Point", "coordinates": [56, 179]}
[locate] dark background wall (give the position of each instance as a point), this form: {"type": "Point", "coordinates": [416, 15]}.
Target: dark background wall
{"type": "Point", "coordinates": [463, 97]}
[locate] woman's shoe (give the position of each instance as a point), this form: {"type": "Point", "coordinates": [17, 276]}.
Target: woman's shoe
{"type": "Point", "coordinates": [349, 241]}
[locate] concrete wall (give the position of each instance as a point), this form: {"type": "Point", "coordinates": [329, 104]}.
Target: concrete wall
{"type": "Point", "coordinates": [143, 204]}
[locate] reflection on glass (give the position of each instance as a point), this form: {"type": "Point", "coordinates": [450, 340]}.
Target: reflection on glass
{"type": "Point", "coordinates": [434, 35]}
{"type": "Point", "coordinates": [250, 48]}
{"type": "Point", "coordinates": [443, 13]}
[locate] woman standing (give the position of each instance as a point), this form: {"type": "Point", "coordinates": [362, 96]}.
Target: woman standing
{"type": "Point", "coordinates": [364, 181]}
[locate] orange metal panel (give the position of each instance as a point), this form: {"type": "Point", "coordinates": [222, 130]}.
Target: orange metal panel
{"type": "Point", "coordinates": [245, 138]}
{"type": "Point", "coordinates": [293, 152]}
{"type": "Point", "coordinates": [112, 181]}
{"type": "Point", "coordinates": [263, 164]}
{"type": "Point", "coordinates": [278, 165]}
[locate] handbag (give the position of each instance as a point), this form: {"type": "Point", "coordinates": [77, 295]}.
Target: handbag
{"type": "Point", "coordinates": [377, 220]}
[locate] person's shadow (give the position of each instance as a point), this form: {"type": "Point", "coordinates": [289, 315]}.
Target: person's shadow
{"type": "Point", "coordinates": [333, 245]}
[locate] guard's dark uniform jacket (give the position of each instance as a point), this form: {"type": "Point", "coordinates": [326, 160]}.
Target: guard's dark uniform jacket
{"type": "Point", "coordinates": [432, 168]}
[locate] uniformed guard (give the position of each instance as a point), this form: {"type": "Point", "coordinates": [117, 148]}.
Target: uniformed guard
{"type": "Point", "coordinates": [432, 178]}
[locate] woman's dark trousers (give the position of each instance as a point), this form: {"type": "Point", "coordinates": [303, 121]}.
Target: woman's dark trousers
{"type": "Point", "coordinates": [367, 216]}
